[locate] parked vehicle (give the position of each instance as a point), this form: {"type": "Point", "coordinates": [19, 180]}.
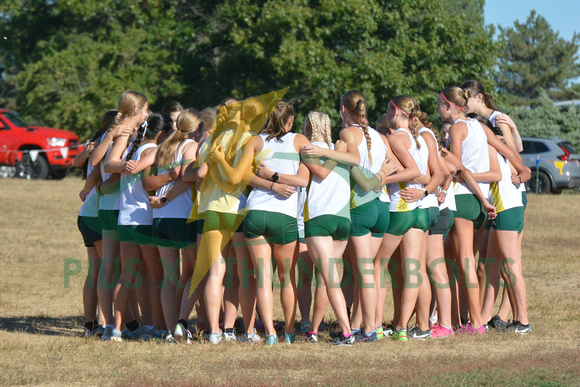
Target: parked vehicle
{"type": "Point", "coordinates": [35, 152]}
{"type": "Point", "coordinates": [555, 164]}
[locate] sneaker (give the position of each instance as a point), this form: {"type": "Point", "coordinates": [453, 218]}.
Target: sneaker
{"type": "Point", "coordinates": [417, 334]}
{"type": "Point", "coordinates": [380, 333]}
{"type": "Point", "coordinates": [214, 338]}
{"type": "Point", "coordinates": [497, 323]}
{"type": "Point", "coordinates": [107, 333]}
{"type": "Point", "coordinates": [345, 341]}
{"type": "Point", "coordinates": [160, 334]}
{"type": "Point", "coordinates": [87, 333]}
{"type": "Point", "coordinates": [288, 338]}
{"type": "Point", "coordinates": [131, 335]}
{"type": "Point", "coordinates": [182, 334]}
{"type": "Point", "coordinates": [229, 336]}
{"type": "Point", "coordinates": [432, 320]}
{"type": "Point", "coordinates": [168, 338]}
{"type": "Point", "coordinates": [312, 337]}
{"type": "Point", "coordinates": [399, 335]}
{"type": "Point", "coordinates": [271, 340]}
{"type": "Point", "coordinates": [522, 329]}
{"type": "Point", "coordinates": [305, 326]}
{"type": "Point", "coordinates": [468, 329]}
{"type": "Point", "coordinates": [437, 332]}
{"type": "Point", "coordinates": [252, 338]}
{"type": "Point", "coordinates": [363, 337]}
{"type": "Point", "coordinates": [388, 330]}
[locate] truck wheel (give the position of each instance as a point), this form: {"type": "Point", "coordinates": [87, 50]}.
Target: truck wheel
{"type": "Point", "coordinates": [28, 169]}
{"type": "Point", "coordinates": [544, 183]}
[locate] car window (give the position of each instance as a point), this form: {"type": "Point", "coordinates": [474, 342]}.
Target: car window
{"type": "Point", "coordinates": [540, 147]}
{"type": "Point", "coordinates": [17, 121]}
{"type": "Point", "coordinates": [528, 147]}
{"type": "Point", "coordinates": [568, 147]}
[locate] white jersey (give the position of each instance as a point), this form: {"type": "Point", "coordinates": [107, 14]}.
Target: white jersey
{"type": "Point", "coordinates": [301, 202]}
{"type": "Point", "coordinates": [474, 155]}
{"type": "Point", "coordinates": [449, 198]}
{"type": "Point", "coordinates": [503, 194]}
{"type": "Point", "coordinates": [368, 167]}
{"type": "Point", "coordinates": [431, 199]}
{"type": "Point", "coordinates": [90, 207]}
{"type": "Point", "coordinates": [330, 196]}
{"type": "Point", "coordinates": [111, 201]}
{"type": "Point", "coordinates": [397, 203]}
{"type": "Point", "coordinates": [179, 207]}
{"type": "Point", "coordinates": [135, 210]}
{"type": "Point", "coordinates": [280, 157]}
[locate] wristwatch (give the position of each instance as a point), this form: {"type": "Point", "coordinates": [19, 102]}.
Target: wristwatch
{"type": "Point", "coordinates": [275, 177]}
{"type": "Point", "coordinates": [425, 193]}
{"type": "Point", "coordinates": [163, 199]}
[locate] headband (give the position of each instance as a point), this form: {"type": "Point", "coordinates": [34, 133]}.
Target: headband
{"type": "Point", "coordinates": [399, 109]}
{"type": "Point", "coordinates": [451, 103]}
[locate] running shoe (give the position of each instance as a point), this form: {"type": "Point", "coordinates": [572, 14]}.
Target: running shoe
{"type": "Point", "coordinates": [437, 332]}
{"type": "Point", "coordinates": [214, 338]}
{"type": "Point", "coordinates": [380, 333]}
{"type": "Point", "coordinates": [288, 338]}
{"type": "Point", "coordinates": [399, 335]}
{"type": "Point", "coordinates": [131, 335]}
{"type": "Point", "coordinates": [417, 334]}
{"type": "Point", "coordinates": [271, 340]}
{"type": "Point", "coordinates": [497, 323]}
{"type": "Point", "coordinates": [116, 335]}
{"type": "Point", "coordinates": [252, 338]}
{"type": "Point", "coordinates": [388, 330]}
{"type": "Point", "coordinates": [168, 338]}
{"type": "Point", "coordinates": [87, 333]}
{"type": "Point", "coordinates": [363, 337]}
{"type": "Point", "coordinates": [312, 337]}
{"type": "Point", "coordinates": [147, 334]}
{"type": "Point", "coordinates": [98, 332]}
{"type": "Point", "coordinates": [345, 341]}
{"type": "Point", "coordinates": [521, 328]}
{"type": "Point", "coordinates": [305, 326]}
{"type": "Point", "coordinates": [229, 336]}
{"type": "Point", "coordinates": [468, 329]}
{"type": "Point", "coordinates": [107, 333]}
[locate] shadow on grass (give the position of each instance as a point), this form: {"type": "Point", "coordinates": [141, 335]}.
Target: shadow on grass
{"type": "Point", "coordinates": [43, 325]}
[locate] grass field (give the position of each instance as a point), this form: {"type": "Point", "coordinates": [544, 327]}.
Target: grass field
{"type": "Point", "coordinates": [41, 320]}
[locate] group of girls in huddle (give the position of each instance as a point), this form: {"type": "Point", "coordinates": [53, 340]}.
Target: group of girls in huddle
{"type": "Point", "coordinates": [185, 209]}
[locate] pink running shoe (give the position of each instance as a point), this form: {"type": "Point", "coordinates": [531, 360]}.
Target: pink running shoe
{"type": "Point", "coordinates": [438, 331]}
{"type": "Point", "coordinates": [468, 329]}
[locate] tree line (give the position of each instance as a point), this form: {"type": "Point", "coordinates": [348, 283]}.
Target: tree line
{"type": "Point", "coordinates": [65, 63]}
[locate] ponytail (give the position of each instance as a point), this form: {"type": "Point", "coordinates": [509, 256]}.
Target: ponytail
{"type": "Point", "coordinates": [355, 104]}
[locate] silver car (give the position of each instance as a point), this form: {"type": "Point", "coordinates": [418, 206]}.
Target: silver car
{"type": "Point", "coordinates": [554, 163]}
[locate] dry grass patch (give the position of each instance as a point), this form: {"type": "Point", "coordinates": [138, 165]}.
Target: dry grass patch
{"type": "Point", "coordinates": [40, 320]}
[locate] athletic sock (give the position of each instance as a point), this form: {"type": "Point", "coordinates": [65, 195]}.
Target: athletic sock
{"type": "Point", "coordinates": [312, 333]}
{"type": "Point", "coordinates": [184, 323]}
{"type": "Point", "coordinates": [91, 325]}
{"type": "Point", "coordinates": [230, 331]}
{"type": "Point", "coordinates": [354, 331]}
{"type": "Point", "coordinates": [347, 335]}
{"type": "Point", "coordinates": [133, 325]}
{"type": "Point", "coordinates": [443, 326]}
{"type": "Point", "coordinates": [149, 327]}
{"type": "Point", "coordinates": [369, 334]}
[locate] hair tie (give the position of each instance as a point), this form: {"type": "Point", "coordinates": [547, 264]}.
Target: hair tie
{"type": "Point", "coordinates": [451, 103]}
{"type": "Point", "coordinates": [399, 109]}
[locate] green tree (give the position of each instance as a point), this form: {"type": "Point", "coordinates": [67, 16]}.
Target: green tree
{"type": "Point", "coordinates": [535, 57]}
{"type": "Point", "coordinates": [320, 49]}
{"type": "Point", "coordinates": [471, 10]}
{"type": "Point", "coordinates": [548, 120]}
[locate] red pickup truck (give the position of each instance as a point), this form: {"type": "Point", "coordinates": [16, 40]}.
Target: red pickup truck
{"type": "Point", "coordinates": [35, 152]}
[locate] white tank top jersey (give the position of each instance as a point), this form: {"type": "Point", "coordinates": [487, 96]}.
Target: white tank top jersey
{"type": "Point", "coordinates": [449, 201]}
{"type": "Point", "coordinates": [213, 198]}
{"type": "Point", "coordinates": [110, 201]}
{"type": "Point", "coordinates": [90, 207]}
{"type": "Point", "coordinates": [301, 202]}
{"type": "Point", "coordinates": [503, 194]}
{"type": "Point", "coordinates": [179, 207]}
{"type": "Point", "coordinates": [330, 196]}
{"type": "Point", "coordinates": [135, 210]}
{"type": "Point", "coordinates": [431, 199]}
{"type": "Point", "coordinates": [397, 203]}
{"type": "Point", "coordinates": [280, 157]}
{"type": "Point", "coordinates": [474, 155]}
{"type": "Point", "coordinates": [378, 152]}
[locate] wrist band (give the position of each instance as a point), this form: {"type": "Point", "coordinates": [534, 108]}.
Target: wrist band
{"type": "Point", "coordinates": [443, 191]}
{"type": "Point", "coordinates": [272, 186]}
